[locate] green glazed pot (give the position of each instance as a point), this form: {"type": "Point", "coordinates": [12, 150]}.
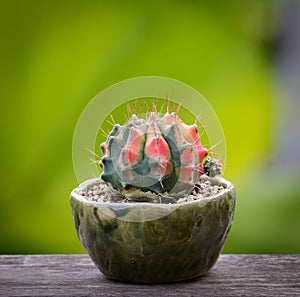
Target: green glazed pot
{"type": "Point", "coordinates": [149, 242]}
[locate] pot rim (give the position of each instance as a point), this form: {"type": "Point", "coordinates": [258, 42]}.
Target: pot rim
{"type": "Point", "coordinates": [83, 185]}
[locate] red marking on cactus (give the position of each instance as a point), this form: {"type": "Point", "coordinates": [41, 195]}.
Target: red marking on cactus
{"type": "Point", "coordinates": [193, 131]}
{"type": "Point", "coordinates": [130, 156]}
{"type": "Point", "coordinates": [164, 168]}
{"type": "Point", "coordinates": [178, 136]}
{"type": "Point", "coordinates": [127, 173]}
{"type": "Point", "coordinates": [193, 137]}
{"type": "Point", "coordinates": [134, 146]}
{"type": "Point", "coordinates": [156, 146]}
{"type": "Point", "coordinates": [104, 149]}
{"type": "Point", "coordinates": [186, 173]}
{"type": "Point", "coordinates": [202, 152]}
{"type": "Point", "coordinates": [169, 168]}
{"type": "Point", "coordinates": [187, 156]}
{"type": "Point", "coordinates": [189, 132]}
{"type": "Point", "coordinates": [201, 170]}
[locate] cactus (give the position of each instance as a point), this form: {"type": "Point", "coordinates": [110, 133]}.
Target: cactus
{"type": "Point", "coordinates": [158, 154]}
{"type": "Point", "coordinates": [212, 167]}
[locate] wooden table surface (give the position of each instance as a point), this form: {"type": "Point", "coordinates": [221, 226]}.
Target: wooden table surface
{"type": "Point", "coordinates": [76, 275]}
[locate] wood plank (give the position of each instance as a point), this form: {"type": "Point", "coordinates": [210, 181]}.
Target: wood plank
{"type": "Point", "coordinates": [76, 275]}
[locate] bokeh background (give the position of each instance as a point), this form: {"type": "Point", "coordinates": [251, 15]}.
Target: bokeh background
{"type": "Point", "coordinates": [243, 56]}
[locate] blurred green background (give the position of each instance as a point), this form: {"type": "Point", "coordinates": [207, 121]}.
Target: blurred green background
{"type": "Point", "coordinates": [57, 55]}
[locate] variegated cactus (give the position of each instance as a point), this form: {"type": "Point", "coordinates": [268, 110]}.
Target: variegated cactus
{"type": "Point", "coordinates": [158, 154]}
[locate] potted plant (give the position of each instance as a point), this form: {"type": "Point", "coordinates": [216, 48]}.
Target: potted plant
{"type": "Point", "coordinates": [160, 211]}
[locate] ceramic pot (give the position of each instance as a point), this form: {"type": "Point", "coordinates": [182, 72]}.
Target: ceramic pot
{"type": "Point", "coordinates": [148, 242]}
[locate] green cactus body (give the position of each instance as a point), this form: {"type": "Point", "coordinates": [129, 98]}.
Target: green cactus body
{"type": "Point", "coordinates": [158, 154]}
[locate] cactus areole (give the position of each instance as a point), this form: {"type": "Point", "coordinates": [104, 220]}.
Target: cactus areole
{"type": "Point", "coordinates": [158, 154]}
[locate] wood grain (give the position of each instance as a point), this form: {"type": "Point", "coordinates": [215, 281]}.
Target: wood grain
{"type": "Point", "coordinates": [76, 275]}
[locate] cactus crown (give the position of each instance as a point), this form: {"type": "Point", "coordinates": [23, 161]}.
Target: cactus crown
{"type": "Point", "coordinates": [159, 154]}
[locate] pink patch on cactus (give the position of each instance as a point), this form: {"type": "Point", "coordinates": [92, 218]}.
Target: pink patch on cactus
{"type": "Point", "coordinates": [185, 131]}
{"type": "Point", "coordinates": [193, 130]}
{"type": "Point", "coordinates": [201, 170]}
{"type": "Point", "coordinates": [130, 156]}
{"type": "Point", "coordinates": [135, 140]}
{"type": "Point", "coordinates": [191, 134]}
{"type": "Point", "coordinates": [164, 168]}
{"type": "Point", "coordinates": [187, 156]}
{"type": "Point", "coordinates": [178, 136]}
{"type": "Point", "coordinates": [156, 146]}
{"type": "Point", "coordinates": [186, 173]}
{"type": "Point", "coordinates": [202, 151]}
{"type": "Point", "coordinates": [104, 149]}
{"type": "Point", "coordinates": [163, 149]}
{"type": "Point", "coordinates": [127, 173]}
{"type": "Point", "coordinates": [169, 168]}
{"type": "Point", "coordinates": [134, 147]}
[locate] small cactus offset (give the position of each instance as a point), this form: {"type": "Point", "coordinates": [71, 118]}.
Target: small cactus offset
{"type": "Point", "coordinates": [212, 167]}
{"type": "Point", "coordinates": [158, 154]}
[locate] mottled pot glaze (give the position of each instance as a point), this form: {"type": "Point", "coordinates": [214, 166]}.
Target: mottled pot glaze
{"type": "Point", "coordinates": [148, 242]}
